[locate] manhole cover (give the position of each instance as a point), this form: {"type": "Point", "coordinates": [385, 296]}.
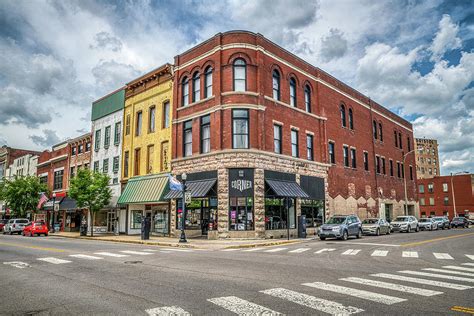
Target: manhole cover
{"type": "Point", "coordinates": [132, 262]}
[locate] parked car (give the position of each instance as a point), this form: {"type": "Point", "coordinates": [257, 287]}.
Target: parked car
{"type": "Point", "coordinates": [15, 226]}
{"type": "Point", "coordinates": [460, 222]}
{"type": "Point", "coordinates": [35, 228]}
{"type": "Point", "coordinates": [341, 227]}
{"type": "Point", "coordinates": [428, 224]}
{"type": "Point", "coordinates": [443, 222]}
{"type": "Point", "coordinates": [3, 222]}
{"type": "Point", "coordinates": [405, 224]}
{"type": "Point", "coordinates": [375, 226]}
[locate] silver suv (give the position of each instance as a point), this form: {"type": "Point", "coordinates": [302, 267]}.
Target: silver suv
{"type": "Point", "coordinates": [405, 224]}
{"type": "Point", "coordinates": [15, 226]}
{"type": "Point", "coordinates": [341, 227]}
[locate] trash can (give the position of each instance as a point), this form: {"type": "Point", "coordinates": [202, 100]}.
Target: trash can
{"type": "Point", "coordinates": [302, 226]}
{"type": "Point", "coordinates": [146, 225]}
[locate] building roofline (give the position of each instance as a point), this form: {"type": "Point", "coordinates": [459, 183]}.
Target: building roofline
{"type": "Point", "coordinates": [109, 94]}
{"type": "Point", "coordinates": [164, 67]}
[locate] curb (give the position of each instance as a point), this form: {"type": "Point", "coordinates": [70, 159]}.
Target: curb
{"type": "Point", "coordinates": [273, 243]}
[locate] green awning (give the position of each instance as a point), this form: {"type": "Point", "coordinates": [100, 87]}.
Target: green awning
{"type": "Point", "coordinates": [145, 189]}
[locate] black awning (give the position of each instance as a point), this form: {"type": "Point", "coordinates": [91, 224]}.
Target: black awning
{"type": "Point", "coordinates": [286, 188]}
{"type": "Point", "coordinates": [48, 206]}
{"type": "Point", "coordinates": [67, 204]}
{"type": "Point", "coordinates": [198, 189]}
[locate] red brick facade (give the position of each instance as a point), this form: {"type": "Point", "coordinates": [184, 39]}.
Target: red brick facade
{"type": "Point", "coordinates": [262, 57]}
{"type": "Point", "coordinates": [442, 188]}
{"type": "Point", "coordinates": [56, 159]}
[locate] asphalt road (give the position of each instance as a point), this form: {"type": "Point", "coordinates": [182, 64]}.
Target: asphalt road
{"type": "Point", "coordinates": [59, 276]}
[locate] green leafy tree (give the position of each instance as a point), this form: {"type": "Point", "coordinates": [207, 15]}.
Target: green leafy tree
{"type": "Point", "coordinates": [22, 194]}
{"type": "Point", "coordinates": [90, 190]}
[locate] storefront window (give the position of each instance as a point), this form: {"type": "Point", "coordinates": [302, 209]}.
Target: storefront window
{"type": "Point", "coordinates": [100, 219]}
{"type": "Point", "coordinates": [136, 220]}
{"type": "Point", "coordinates": [200, 214]}
{"type": "Point", "coordinates": [314, 212]}
{"type": "Point", "coordinates": [241, 213]}
{"type": "Point", "coordinates": [276, 215]}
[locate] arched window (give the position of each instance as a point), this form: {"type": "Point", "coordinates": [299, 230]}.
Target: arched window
{"type": "Point", "coordinates": [276, 84]}
{"type": "Point", "coordinates": [307, 98]}
{"type": "Point", "coordinates": [351, 119]}
{"type": "Point", "coordinates": [375, 129]}
{"type": "Point", "coordinates": [293, 92]}
{"type": "Point", "coordinates": [343, 115]}
{"type": "Point", "coordinates": [240, 75]}
{"type": "Point", "coordinates": [196, 87]}
{"type": "Point", "coordinates": [185, 91]}
{"type": "Point", "coordinates": [381, 132]}
{"type": "Point", "coordinates": [208, 82]}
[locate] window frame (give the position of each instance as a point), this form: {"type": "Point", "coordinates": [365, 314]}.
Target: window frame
{"type": "Point", "coordinates": [127, 124]}
{"type": "Point", "coordinates": [351, 119]}
{"type": "Point", "coordinates": [277, 127]}
{"type": "Point", "coordinates": [58, 179]}
{"type": "Point", "coordinates": [117, 132]}
{"type": "Point", "coordinates": [185, 91]}
{"type": "Point", "coordinates": [345, 155]}
{"type": "Point", "coordinates": [116, 164]}
{"type": "Point", "coordinates": [151, 119]}
{"type": "Point", "coordinates": [276, 80]}
{"type": "Point", "coordinates": [187, 128]}
{"type": "Point", "coordinates": [380, 132]}
{"type": "Point", "coordinates": [295, 151]}
{"type": "Point", "coordinates": [310, 149]}
{"type": "Point", "coordinates": [342, 110]}
{"type": "Point", "coordinates": [196, 80]}
{"type": "Point", "coordinates": [97, 137]}
{"type": "Point", "coordinates": [247, 119]}
{"type": "Point", "coordinates": [205, 122]}
{"type": "Point", "coordinates": [293, 93]}
{"type": "Point", "coordinates": [307, 98]}
{"type": "Point", "coordinates": [138, 123]}
{"type": "Point", "coordinates": [136, 161]}
{"type": "Point", "coordinates": [108, 130]}
{"type": "Point", "coordinates": [353, 158]}
{"type": "Point", "coordinates": [105, 165]}
{"type": "Point", "coordinates": [166, 114]}
{"type": "Point", "coordinates": [126, 163]}
{"type": "Point", "coordinates": [366, 161]}
{"type": "Point", "coordinates": [331, 152]}
{"type": "Point", "coordinates": [235, 66]}
{"type": "Point", "coordinates": [208, 76]}
{"type": "Point", "coordinates": [374, 129]}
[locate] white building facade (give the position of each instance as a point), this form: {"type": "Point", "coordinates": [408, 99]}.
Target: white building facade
{"type": "Point", "coordinates": [22, 166]}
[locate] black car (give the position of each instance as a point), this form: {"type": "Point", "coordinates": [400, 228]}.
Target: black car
{"type": "Point", "coordinates": [460, 222]}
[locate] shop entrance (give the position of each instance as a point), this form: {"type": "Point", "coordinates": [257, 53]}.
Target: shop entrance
{"type": "Point", "coordinates": [201, 214]}
{"type": "Point", "coordinates": [111, 221]}
{"type": "Point", "coordinates": [388, 212]}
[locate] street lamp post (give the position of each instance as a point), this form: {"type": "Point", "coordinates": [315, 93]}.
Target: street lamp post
{"type": "Point", "coordinates": [182, 238]}
{"type": "Point", "coordinates": [52, 213]}
{"type": "Point", "coordinates": [405, 181]}
{"type": "Point", "coordinates": [452, 190]}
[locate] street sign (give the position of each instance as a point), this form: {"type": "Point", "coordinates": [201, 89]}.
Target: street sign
{"type": "Point", "coordinates": [187, 197]}
{"type": "Point", "coordinates": [56, 207]}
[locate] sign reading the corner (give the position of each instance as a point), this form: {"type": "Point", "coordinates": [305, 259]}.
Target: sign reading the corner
{"type": "Point", "coordinates": [240, 182]}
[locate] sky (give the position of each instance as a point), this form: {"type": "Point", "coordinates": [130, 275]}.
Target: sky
{"type": "Point", "coordinates": [414, 57]}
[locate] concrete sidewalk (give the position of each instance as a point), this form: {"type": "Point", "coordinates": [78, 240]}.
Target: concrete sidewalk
{"type": "Point", "coordinates": [192, 243]}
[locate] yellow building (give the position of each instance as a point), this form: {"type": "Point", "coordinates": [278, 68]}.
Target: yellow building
{"type": "Point", "coordinates": [146, 149]}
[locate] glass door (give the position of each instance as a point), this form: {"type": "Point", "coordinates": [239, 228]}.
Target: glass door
{"type": "Point", "coordinates": [111, 216]}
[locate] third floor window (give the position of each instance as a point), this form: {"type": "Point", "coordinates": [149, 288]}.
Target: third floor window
{"type": "Point", "coordinates": [208, 82]}
{"type": "Point", "coordinates": [205, 134]}
{"type": "Point", "coordinates": [293, 92]}
{"type": "Point", "coordinates": [277, 138]}
{"type": "Point", "coordinates": [196, 87]}
{"type": "Point", "coordinates": [138, 126]}
{"type": "Point", "coordinates": [240, 129]}
{"type": "Point", "coordinates": [307, 98]}
{"type": "Point", "coordinates": [276, 84]}
{"type": "Point", "coordinates": [240, 75]}
{"type": "Point", "coordinates": [185, 91]}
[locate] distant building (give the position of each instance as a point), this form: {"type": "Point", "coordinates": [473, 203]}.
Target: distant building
{"type": "Point", "coordinates": [427, 159]}
{"type": "Point", "coordinates": [22, 166]}
{"type": "Point", "coordinates": [446, 195]}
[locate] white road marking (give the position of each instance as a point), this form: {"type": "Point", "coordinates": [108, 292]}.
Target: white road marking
{"type": "Point", "coordinates": [351, 252]}
{"type": "Point", "coordinates": [131, 252]}
{"type": "Point", "coordinates": [231, 249]}
{"type": "Point", "coordinates": [370, 244]}
{"type": "Point", "coordinates": [392, 286]}
{"type": "Point", "coordinates": [435, 275]}
{"type": "Point", "coordinates": [17, 264]}
{"type": "Point", "coordinates": [167, 311]}
{"type": "Point", "coordinates": [110, 254]}
{"type": "Point", "coordinates": [241, 307]}
{"type": "Point", "coordinates": [410, 254]}
{"type": "Point", "coordinates": [325, 250]}
{"type": "Point", "coordinates": [299, 250]}
{"type": "Point", "coordinates": [449, 271]}
{"type": "Point", "coordinates": [253, 249]}
{"type": "Point", "coordinates": [150, 250]}
{"type": "Point", "coordinates": [53, 260]}
{"type": "Point", "coordinates": [275, 249]}
{"type": "Point", "coordinates": [459, 268]}
{"type": "Point", "coordinates": [467, 264]}
{"type": "Point", "coordinates": [379, 253]}
{"type": "Point", "coordinates": [470, 257]}
{"type": "Point", "coordinates": [178, 250]}
{"type": "Point", "coordinates": [81, 256]}
{"type": "Point", "coordinates": [366, 295]}
{"type": "Point", "coordinates": [442, 256]}
{"type": "Point", "coordinates": [447, 285]}
{"type": "Point", "coordinates": [316, 303]}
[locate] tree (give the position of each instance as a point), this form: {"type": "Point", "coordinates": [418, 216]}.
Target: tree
{"type": "Point", "coordinates": [22, 194]}
{"type": "Point", "coordinates": [90, 190]}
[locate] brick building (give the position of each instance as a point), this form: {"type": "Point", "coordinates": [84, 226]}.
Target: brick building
{"type": "Point", "coordinates": [441, 195]}
{"type": "Point", "coordinates": [427, 158]}
{"type": "Point", "coordinates": [263, 137]}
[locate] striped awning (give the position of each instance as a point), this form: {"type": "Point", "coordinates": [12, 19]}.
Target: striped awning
{"type": "Point", "coordinates": [198, 189]}
{"type": "Point", "coordinates": [145, 189]}
{"type": "Point", "coordinates": [286, 188]}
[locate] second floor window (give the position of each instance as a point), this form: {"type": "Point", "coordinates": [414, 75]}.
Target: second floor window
{"type": "Point", "coordinates": [374, 129]}
{"type": "Point", "coordinates": [73, 150]}
{"type": "Point", "coordinates": [166, 114]}
{"type": "Point", "coordinates": [307, 98]}
{"type": "Point", "coordinates": [196, 87]}
{"type": "Point", "coordinates": [430, 187]}
{"type": "Point", "coordinates": [127, 125]}
{"type": "Point", "coordinates": [150, 151]}
{"type": "Point", "coordinates": [293, 92]}
{"type": "Point", "coordinates": [97, 140]}
{"type": "Point", "coordinates": [421, 188]}
{"type": "Point", "coordinates": [395, 138]}
{"type": "Point", "coordinates": [366, 161]}
{"type": "Point", "coordinates": [399, 170]}
{"type": "Point", "coordinates": [345, 154]}
{"type": "Point", "coordinates": [276, 84]}
{"type": "Point", "coordinates": [58, 180]}
{"type": "Point", "coordinates": [353, 158]}
{"type": "Point", "coordinates": [332, 157]}
{"type": "Point", "coordinates": [400, 140]}
{"type": "Point", "coordinates": [309, 147]}
{"type": "Point", "coordinates": [138, 126]}
{"type": "Point", "coordinates": [125, 164]}
{"type": "Point", "coordinates": [205, 134]}
{"type": "Point", "coordinates": [383, 166]}
{"type": "Point", "coordinates": [240, 129]}
{"type": "Point", "coordinates": [185, 91]}
{"type": "Point", "coordinates": [107, 137]}
{"type": "Point", "coordinates": [105, 166]}
{"type": "Point", "coordinates": [277, 138]}
{"type": "Point", "coordinates": [208, 82]}
{"type": "Point", "coordinates": [351, 119]}
{"type": "Point", "coordinates": [151, 119]}
{"type": "Point", "coordinates": [240, 75]}
{"type": "Point", "coordinates": [136, 167]}
{"type": "Point", "coordinates": [377, 164]}
{"type": "Point", "coordinates": [294, 143]}
{"type": "Point", "coordinates": [445, 187]}
{"type": "Point", "coordinates": [115, 167]}
{"type": "Point", "coordinates": [188, 138]}
{"type": "Point", "coordinates": [391, 167]}
{"type": "Point", "coordinates": [118, 129]}
{"type": "Point", "coordinates": [96, 166]}
{"type": "Point", "coordinates": [381, 132]}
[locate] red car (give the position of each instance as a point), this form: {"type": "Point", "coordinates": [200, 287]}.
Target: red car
{"type": "Point", "coordinates": [2, 223]}
{"type": "Point", "coordinates": [35, 228]}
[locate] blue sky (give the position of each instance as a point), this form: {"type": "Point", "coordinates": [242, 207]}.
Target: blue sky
{"type": "Point", "coordinates": [414, 57]}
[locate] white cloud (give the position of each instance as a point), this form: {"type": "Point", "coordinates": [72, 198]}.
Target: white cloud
{"type": "Point", "coordinates": [446, 38]}
{"type": "Point", "coordinates": [333, 46]}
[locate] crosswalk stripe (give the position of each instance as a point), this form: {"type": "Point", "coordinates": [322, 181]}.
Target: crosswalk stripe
{"type": "Point", "coordinates": [435, 275]}
{"type": "Point", "coordinates": [299, 250]}
{"type": "Point", "coordinates": [241, 306]}
{"type": "Point", "coordinates": [81, 256]}
{"type": "Point", "coordinates": [447, 285]}
{"type": "Point", "coordinates": [253, 249]}
{"type": "Point", "coordinates": [366, 295]}
{"type": "Point", "coordinates": [316, 303]}
{"type": "Point", "coordinates": [468, 264]}
{"type": "Point", "coordinates": [392, 286]}
{"type": "Point", "coordinates": [150, 250]}
{"type": "Point", "coordinates": [110, 254]}
{"type": "Point", "coordinates": [379, 253]}
{"type": "Point", "coordinates": [178, 250]}
{"type": "Point", "coordinates": [325, 250]}
{"type": "Point", "coordinates": [132, 252]}
{"type": "Point", "coordinates": [459, 268]}
{"type": "Point", "coordinates": [17, 264]}
{"type": "Point", "coordinates": [449, 271]}
{"type": "Point", "coordinates": [230, 249]}
{"type": "Point", "coordinates": [442, 256]}
{"type": "Point", "coordinates": [53, 260]}
{"type": "Point", "coordinates": [410, 254]}
{"type": "Point", "coordinates": [470, 257]}
{"type": "Point", "coordinates": [167, 311]}
{"type": "Point", "coordinates": [275, 249]}
{"type": "Point", "coordinates": [351, 252]}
